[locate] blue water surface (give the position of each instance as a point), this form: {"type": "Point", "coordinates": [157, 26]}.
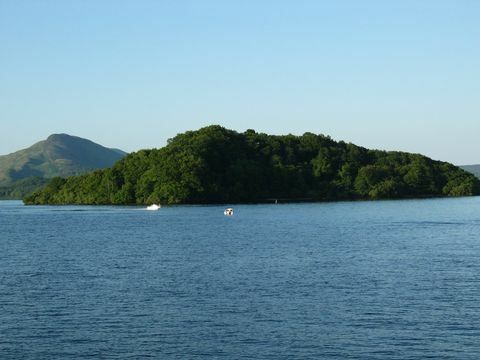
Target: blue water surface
{"type": "Point", "coordinates": [350, 280]}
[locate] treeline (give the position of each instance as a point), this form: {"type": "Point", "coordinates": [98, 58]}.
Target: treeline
{"type": "Point", "coordinates": [217, 165]}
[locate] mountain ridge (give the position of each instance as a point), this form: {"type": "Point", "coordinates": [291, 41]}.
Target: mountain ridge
{"type": "Point", "coordinates": [58, 155]}
{"type": "Point", "coordinates": [474, 169]}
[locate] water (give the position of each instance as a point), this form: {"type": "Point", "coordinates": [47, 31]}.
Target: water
{"type": "Point", "coordinates": [373, 280]}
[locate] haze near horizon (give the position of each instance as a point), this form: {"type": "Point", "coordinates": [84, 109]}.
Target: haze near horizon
{"type": "Point", "coordinates": [398, 75]}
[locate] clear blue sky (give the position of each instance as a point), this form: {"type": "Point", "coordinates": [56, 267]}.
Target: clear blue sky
{"type": "Point", "coordinates": [395, 75]}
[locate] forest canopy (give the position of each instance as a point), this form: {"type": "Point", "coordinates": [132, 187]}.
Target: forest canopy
{"type": "Point", "coordinates": [217, 165]}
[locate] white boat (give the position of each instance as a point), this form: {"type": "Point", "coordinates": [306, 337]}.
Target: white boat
{"type": "Point", "coordinates": [228, 212]}
{"type": "Point", "coordinates": [153, 207]}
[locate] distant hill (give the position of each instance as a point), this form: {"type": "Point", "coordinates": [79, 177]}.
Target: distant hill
{"type": "Point", "coordinates": [58, 155]}
{"type": "Point", "coordinates": [474, 169]}
{"type": "Point", "coordinates": [217, 165]}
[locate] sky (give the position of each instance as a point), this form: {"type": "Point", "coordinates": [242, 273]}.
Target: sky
{"type": "Point", "coordinates": [394, 75]}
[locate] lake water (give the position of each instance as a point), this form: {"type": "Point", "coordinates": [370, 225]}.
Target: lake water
{"type": "Point", "coordinates": [350, 280]}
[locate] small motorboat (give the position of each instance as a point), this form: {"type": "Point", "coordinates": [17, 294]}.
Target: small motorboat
{"type": "Point", "coordinates": [228, 212]}
{"type": "Point", "coordinates": [153, 207]}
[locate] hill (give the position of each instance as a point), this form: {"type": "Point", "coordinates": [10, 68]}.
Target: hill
{"type": "Point", "coordinates": [474, 169]}
{"type": "Point", "coordinates": [59, 155]}
{"type": "Point", "coordinates": [216, 165]}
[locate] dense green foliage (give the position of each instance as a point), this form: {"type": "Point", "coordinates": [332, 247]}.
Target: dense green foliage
{"type": "Point", "coordinates": [60, 155]}
{"type": "Point", "coordinates": [216, 165]}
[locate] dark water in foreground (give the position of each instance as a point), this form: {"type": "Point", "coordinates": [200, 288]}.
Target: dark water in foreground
{"type": "Point", "coordinates": [373, 280]}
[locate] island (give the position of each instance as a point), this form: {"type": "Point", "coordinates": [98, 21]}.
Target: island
{"type": "Point", "coordinates": [218, 165]}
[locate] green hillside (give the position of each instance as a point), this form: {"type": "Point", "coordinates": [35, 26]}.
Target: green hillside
{"type": "Point", "coordinates": [216, 165]}
{"type": "Point", "coordinates": [20, 188]}
{"type": "Point", "coordinates": [58, 155]}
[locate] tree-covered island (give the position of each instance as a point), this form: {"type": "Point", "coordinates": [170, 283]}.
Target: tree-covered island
{"type": "Point", "coordinates": [217, 165]}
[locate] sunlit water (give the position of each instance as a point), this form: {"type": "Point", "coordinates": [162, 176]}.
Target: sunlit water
{"type": "Point", "coordinates": [373, 280]}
